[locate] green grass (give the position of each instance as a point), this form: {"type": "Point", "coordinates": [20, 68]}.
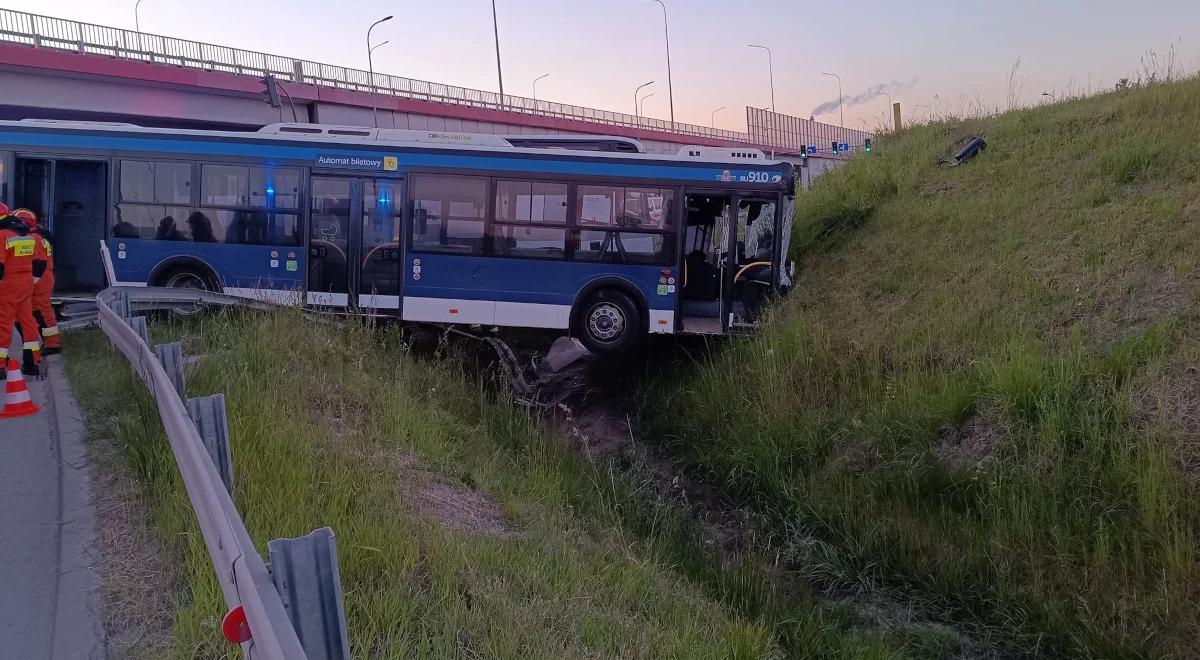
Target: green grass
{"type": "Point", "coordinates": [982, 391]}
{"type": "Point", "coordinates": [344, 428]}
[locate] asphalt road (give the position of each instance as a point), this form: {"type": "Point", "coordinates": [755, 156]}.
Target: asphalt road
{"type": "Point", "coordinates": [49, 558]}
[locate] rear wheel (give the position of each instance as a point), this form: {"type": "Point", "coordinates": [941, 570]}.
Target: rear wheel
{"type": "Point", "coordinates": [186, 277]}
{"type": "Point", "coordinates": [608, 322]}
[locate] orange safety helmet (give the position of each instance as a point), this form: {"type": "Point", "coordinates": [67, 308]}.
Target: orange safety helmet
{"type": "Point", "coordinates": [28, 216]}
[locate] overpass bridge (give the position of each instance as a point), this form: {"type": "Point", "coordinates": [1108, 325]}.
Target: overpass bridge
{"type": "Point", "coordinates": [54, 68]}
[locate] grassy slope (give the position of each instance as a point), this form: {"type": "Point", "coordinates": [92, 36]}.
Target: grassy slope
{"type": "Point", "coordinates": [1034, 309]}
{"type": "Point", "coordinates": [329, 428]}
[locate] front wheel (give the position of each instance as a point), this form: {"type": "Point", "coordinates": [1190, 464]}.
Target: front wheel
{"type": "Point", "coordinates": [608, 322]}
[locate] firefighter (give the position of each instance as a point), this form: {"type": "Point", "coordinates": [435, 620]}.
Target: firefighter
{"type": "Point", "coordinates": [19, 266]}
{"type": "Point", "coordinates": [43, 311]}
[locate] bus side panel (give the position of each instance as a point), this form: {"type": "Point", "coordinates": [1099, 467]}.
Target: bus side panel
{"type": "Point", "coordinates": [532, 293]}
{"type": "Point", "coordinates": [252, 271]}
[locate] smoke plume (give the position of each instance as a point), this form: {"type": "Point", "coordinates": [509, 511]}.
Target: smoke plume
{"type": "Point", "coordinates": [894, 87]}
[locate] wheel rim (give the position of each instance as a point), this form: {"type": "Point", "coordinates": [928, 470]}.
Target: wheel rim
{"type": "Point", "coordinates": [606, 322]}
{"type": "Point", "coordinates": [186, 280]}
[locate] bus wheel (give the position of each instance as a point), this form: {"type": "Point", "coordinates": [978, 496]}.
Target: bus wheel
{"type": "Point", "coordinates": [608, 322]}
{"type": "Point", "coordinates": [186, 278]}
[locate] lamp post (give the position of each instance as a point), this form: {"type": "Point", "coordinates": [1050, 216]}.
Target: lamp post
{"type": "Point", "coordinates": [642, 104]}
{"type": "Point", "coordinates": [841, 112]}
{"type": "Point", "coordinates": [535, 80]}
{"type": "Point", "coordinates": [667, 38]}
{"type": "Point", "coordinates": [712, 119]}
{"type": "Point", "coordinates": [371, 68]}
{"type": "Point", "coordinates": [137, 22]}
{"type": "Point", "coordinates": [636, 102]}
{"type": "Point", "coordinates": [891, 106]}
{"type": "Point", "coordinates": [771, 70]}
{"type": "Point", "coordinates": [499, 70]}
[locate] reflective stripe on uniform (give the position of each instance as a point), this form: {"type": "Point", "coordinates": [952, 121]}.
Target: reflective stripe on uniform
{"type": "Point", "coordinates": [3, 356]}
{"type": "Point", "coordinates": [21, 246]}
{"type": "Point", "coordinates": [50, 331]}
{"type": "Point", "coordinates": [32, 345]}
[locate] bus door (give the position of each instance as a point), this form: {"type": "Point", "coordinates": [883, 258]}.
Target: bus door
{"type": "Point", "coordinates": [69, 196]}
{"type": "Point", "coordinates": [354, 243]}
{"type": "Point", "coordinates": [705, 280]}
{"type": "Point", "coordinates": [752, 256]}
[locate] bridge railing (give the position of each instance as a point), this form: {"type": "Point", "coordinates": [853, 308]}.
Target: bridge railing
{"type": "Point", "coordinates": [49, 32]}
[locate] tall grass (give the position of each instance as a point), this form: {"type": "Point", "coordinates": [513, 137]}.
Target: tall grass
{"type": "Point", "coordinates": [348, 428]}
{"type": "Point", "coordinates": [979, 392]}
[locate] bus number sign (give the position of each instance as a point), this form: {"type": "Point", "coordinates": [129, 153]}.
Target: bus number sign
{"type": "Point", "coordinates": [750, 177]}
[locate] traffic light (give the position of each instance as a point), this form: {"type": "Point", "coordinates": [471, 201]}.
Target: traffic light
{"type": "Point", "coordinates": [272, 90]}
{"type": "Point", "coordinates": [835, 146]}
{"type": "Point", "coordinates": [803, 151]}
{"type": "Point", "coordinates": [867, 144]}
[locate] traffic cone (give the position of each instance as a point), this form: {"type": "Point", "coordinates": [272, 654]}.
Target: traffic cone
{"type": "Point", "coordinates": [17, 402]}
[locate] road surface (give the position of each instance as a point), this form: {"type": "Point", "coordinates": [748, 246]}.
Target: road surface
{"type": "Point", "coordinates": [49, 557]}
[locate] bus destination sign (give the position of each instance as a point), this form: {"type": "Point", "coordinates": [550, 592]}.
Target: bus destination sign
{"type": "Point", "coordinates": [342, 162]}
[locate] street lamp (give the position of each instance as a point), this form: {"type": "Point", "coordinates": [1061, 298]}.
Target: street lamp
{"type": "Point", "coordinates": [499, 71]}
{"type": "Point", "coordinates": [771, 70]}
{"type": "Point", "coordinates": [137, 22]}
{"type": "Point", "coordinates": [841, 113]}
{"type": "Point", "coordinates": [667, 38]}
{"type": "Point", "coordinates": [636, 102]}
{"type": "Point", "coordinates": [535, 89]}
{"type": "Point", "coordinates": [642, 104]}
{"type": "Point", "coordinates": [371, 68]}
{"type": "Point", "coordinates": [712, 119]}
{"type": "Point", "coordinates": [891, 105]}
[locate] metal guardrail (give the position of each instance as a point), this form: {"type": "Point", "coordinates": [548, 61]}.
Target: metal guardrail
{"type": "Point", "coordinates": [244, 579]}
{"type": "Point", "coordinates": [86, 38]}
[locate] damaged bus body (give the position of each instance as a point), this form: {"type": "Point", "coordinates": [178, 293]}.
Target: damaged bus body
{"type": "Point", "coordinates": [429, 227]}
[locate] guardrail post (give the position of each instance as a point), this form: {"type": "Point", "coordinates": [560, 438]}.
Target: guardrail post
{"type": "Point", "coordinates": [305, 572]}
{"type": "Point", "coordinates": [208, 416]}
{"type": "Point", "coordinates": [121, 299]}
{"type": "Point", "coordinates": [138, 323]}
{"type": "Point", "coordinates": [170, 356]}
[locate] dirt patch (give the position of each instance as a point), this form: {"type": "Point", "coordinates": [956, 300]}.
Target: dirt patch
{"type": "Point", "coordinates": [462, 509]}
{"type": "Point", "coordinates": [137, 585]}
{"type": "Point", "coordinates": [969, 445]}
{"type": "Point", "coordinates": [939, 188]}
{"type": "Point", "coordinates": [1159, 297]}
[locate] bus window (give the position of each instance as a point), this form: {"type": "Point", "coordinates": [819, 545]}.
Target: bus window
{"type": "Point", "coordinates": [625, 247]}
{"type": "Point", "coordinates": [530, 220]}
{"type": "Point", "coordinates": [150, 182]}
{"type": "Point", "coordinates": [449, 213]}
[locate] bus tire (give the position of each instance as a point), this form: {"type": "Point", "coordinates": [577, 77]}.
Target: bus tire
{"type": "Point", "coordinates": [187, 277]}
{"type": "Point", "coordinates": [608, 322]}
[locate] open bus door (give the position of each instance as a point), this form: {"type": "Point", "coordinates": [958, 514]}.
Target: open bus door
{"type": "Point", "coordinates": [354, 243]}
{"type": "Point", "coordinates": [729, 252]}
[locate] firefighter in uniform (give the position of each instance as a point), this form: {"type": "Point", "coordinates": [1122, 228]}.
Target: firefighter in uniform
{"type": "Point", "coordinates": [18, 268]}
{"type": "Point", "coordinates": [43, 311]}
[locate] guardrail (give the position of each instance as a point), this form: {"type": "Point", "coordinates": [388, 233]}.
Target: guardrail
{"type": "Point", "coordinates": [268, 615]}
{"type": "Point", "coordinates": [86, 38]}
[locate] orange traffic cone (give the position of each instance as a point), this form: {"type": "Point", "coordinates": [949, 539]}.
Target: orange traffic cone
{"type": "Point", "coordinates": [17, 402]}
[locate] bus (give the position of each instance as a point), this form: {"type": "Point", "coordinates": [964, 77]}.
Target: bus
{"type": "Point", "coordinates": [444, 228]}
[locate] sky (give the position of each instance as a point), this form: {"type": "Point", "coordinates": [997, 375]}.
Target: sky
{"type": "Point", "coordinates": [942, 57]}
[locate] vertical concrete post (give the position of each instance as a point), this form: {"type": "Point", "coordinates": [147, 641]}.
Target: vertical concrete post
{"type": "Point", "coordinates": [896, 117]}
{"type": "Point", "coordinates": [171, 358]}
{"type": "Point", "coordinates": [305, 572]}
{"type": "Point", "coordinates": [209, 417]}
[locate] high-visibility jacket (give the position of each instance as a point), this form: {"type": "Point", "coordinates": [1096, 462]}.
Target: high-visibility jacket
{"type": "Point", "coordinates": [44, 252]}
{"type": "Point", "coordinates": [19, 254]}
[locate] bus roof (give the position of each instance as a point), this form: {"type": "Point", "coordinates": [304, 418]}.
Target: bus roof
{"type": "Point", "coordinates": [359, 136]}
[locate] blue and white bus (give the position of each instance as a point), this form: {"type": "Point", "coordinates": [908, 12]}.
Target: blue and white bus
{"type": "Point", "coordinates": [429, 227]}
